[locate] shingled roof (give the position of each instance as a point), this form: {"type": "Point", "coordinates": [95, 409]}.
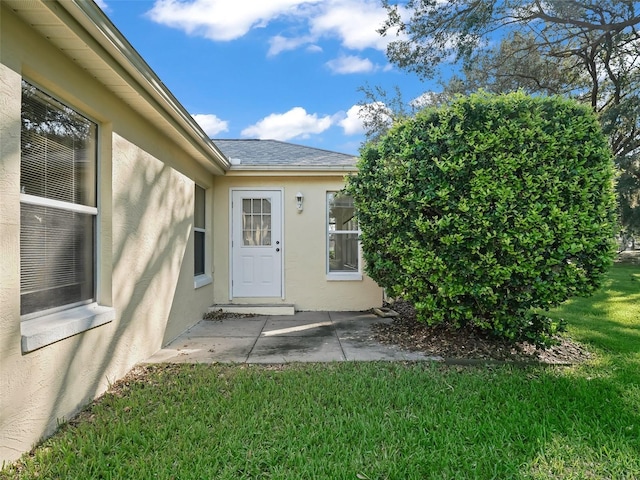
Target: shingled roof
{"type": "Point", "coordinates": [277, 154]}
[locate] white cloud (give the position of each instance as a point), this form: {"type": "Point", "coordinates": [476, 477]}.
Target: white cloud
{"type": "Point", "coordinates": [346, 64]}
{"type": "Point", "coordinates": [285, 126]}
{"type": "Point", "coordinates": [425, 99]}
{"type": "Point", "coordinates": [221, 19]}
{"type": "Point", "coordinates": [211, 124]}
{"type": "Point", "coordinates": [378, 111]}
{"type": "Point", "coordinates": [279, 44]}
{"type": "Point", "coordinates": [103, 5]}
{"type": "Point", "coordinates": [352, 22]}
{"type": "Point", "coordinates": [352, 124]}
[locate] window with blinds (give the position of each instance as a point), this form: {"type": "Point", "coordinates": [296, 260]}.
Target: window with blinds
{"type": "Point", "coordinates": [58, 205]}
{"type": "Point", "coordinates": [199, 231]}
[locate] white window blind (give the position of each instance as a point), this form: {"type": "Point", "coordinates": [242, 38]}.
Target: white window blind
{"type": "Point", "coordinates": [58, 204]}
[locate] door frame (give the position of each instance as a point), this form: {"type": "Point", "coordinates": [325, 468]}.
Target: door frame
{"type": "Point", "coordinates": [282, 241]}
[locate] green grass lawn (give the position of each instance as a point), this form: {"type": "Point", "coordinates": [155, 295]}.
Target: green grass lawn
{"type": "Point", "coordinates": [374, 420]}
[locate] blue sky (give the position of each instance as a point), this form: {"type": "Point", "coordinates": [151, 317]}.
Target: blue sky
{"type": "Point", "coordinates": [278, 69]}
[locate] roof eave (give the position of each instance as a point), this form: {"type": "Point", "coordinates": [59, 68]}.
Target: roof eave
{"type": "Point", "coordinates": [101, 29]}
{"type": "Point", "coordinates": [122, 51]}
{"type": "Point", "coordinates": [291, 170]}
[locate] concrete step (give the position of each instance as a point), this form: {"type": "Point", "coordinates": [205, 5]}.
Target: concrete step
{"type": "Point", "coordinates": [255, 309]}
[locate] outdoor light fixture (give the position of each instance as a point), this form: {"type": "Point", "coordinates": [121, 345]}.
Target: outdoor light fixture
{"type": "Point", "coordinates": [299, 199]}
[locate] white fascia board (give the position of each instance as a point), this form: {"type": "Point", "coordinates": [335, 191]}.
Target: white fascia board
{"type": "Point", "coordinates": [289, 171]}
{"type": "Point", "coordinates": [102, 30]}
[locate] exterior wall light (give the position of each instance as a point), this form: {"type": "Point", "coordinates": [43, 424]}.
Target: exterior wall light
{"type": "Point", "coordinates": [299, 200]}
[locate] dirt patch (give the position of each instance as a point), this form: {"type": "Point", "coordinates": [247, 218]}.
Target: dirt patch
{"type": "Point", "coordinates": [470, 344]}
{"type": "Point", "coordinates": [221, 315]}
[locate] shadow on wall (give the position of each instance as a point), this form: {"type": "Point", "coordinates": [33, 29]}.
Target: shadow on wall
{"type": "Point", "coordinates": [10, 353]}
{"type": "Point", "coordinates": [152, 223]}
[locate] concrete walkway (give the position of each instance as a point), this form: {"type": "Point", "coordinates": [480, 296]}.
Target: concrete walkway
{"type": "Point", "coordinates": [303, 337]}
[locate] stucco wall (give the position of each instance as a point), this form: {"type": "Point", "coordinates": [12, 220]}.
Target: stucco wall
{"type": "Point", "coordinates": [145, 250]}
{"type": "Point", "coordinates": [305, 280]}
{"type": "Point", "coordinates": [153, 283]}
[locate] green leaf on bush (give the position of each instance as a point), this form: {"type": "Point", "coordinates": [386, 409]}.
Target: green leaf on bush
{"type": "Point", "coordinates": [489, 208]}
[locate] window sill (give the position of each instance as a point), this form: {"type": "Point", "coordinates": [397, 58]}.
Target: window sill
{"type": "Point", "coordinates": [42, 331]}
{"type": "Point", "coordinates": [344, 277]}
{"type": "Point", "coordinates": [201, 281]}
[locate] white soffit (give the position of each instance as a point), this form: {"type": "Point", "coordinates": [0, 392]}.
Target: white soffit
{"type": "Point", "coordinates": [84, 34]}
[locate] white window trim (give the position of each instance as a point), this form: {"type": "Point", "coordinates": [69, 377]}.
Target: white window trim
{"type": "Point", "coordinates": [340, 276]}
{"type": "Point", "coordinates": [39, 329]}
{"type": "Point", "coordinates": [204, 279]}
{"type": "Point", "coordinates": [49, 202]}
{"type": "Point", "coordinates": [344, 277]}
{"type": "Point", "coordinates": [47, 329]}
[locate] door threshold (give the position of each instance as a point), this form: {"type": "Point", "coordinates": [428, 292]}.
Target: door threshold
{"type": "Point", "coordinates": [255, 309]}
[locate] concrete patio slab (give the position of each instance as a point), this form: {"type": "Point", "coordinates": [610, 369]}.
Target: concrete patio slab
{"type": "Point", "coordinates": [358, 343]}
{"type": "Point", "coordinates": [355, 324]}
{"type": "Point", "coordinates": [230, 327]}
{"type": "Point", "coordinates": [305, 324]}
{"type": "Point", "coordinates": [363, 351]}
{"type": "Point", "coordinates": [296, 349]}
{"type": "Point", "coordinates": [205, 350]}
{"type": "Point", "coordinates": [305, 337]}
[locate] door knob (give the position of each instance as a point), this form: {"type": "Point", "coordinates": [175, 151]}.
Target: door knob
{"type": "Point", "coordinates": [277, 249]}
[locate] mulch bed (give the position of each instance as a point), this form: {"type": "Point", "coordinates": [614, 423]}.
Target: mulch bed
{"type": "Point", "coordinates": [470, 344]}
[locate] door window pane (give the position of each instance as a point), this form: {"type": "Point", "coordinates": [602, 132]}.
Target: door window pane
{"type": "Point", "coordinates": [256, 222]}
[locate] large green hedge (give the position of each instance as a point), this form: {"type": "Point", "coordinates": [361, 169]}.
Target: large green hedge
{"type": "Point", "coordinates": [489, 210]}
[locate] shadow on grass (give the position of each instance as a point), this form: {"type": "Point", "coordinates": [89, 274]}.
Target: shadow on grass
{"type": "Point", "coordinates": [379, 420]}
{"type": "Point", "coordinates": [610, 319]}
{"type": "Point", "coordinates": [548, 422]}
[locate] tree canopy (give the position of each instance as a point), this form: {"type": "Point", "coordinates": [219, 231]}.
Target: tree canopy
{"type": "Point", "coordinates": [585, 49]}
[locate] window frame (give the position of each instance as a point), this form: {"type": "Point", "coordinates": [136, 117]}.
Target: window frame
{"type": "Point", "coordinates": [204, 278]}
{"type": "Point", "coordinates": [44, 327]}
{"type": "Point", "coordinates": [339, 275]}
{"type": "Point", "coordinates": [66, 206]}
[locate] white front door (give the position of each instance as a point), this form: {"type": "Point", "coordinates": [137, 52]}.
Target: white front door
{"type": "Point", "coordinates": [256, 243]}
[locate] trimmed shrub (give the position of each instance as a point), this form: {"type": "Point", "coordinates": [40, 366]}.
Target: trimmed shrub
{"type": "Point", "coordinates": [489, 211]}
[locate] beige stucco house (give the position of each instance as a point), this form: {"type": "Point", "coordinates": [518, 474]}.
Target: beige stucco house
{"type": "Point", "coordinates": [121, 223]}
